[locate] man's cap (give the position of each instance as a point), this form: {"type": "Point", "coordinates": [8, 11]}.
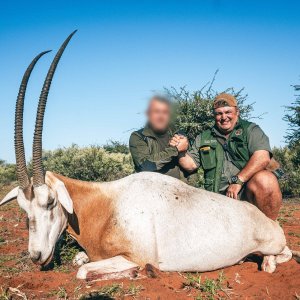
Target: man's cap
{"type": "Point", "coordinates": [224, 99]}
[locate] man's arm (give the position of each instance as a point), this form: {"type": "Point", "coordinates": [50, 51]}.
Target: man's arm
{"type": "Point", "coordinates": [189, 161]}
{"type": "Point", "coordinates": [146, 161]}
{"type": "Point", "coordinates": [260, 151]}
{"type": "Point", "coordinates": [258, 162]}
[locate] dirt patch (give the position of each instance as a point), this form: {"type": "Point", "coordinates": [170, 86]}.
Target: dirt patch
{"type": "Point", "coordinates": [21, 279]}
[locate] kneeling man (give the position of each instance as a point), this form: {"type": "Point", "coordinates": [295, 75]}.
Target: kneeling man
{"type": "Point", "coordinates": [234, 154]}
{"type": "Point", "coordinates": [149, 146]}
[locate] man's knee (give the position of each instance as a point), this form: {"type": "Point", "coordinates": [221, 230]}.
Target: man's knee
{"type": "Point", "coordinates": [263, 191]}
{"type": "Point", "coordinates": [264, 182]}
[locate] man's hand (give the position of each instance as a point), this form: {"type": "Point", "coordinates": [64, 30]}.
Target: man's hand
{"type": "Point", "coordinates": [180, 142]}
{"type": "Point", "coordinates": [233, 191]}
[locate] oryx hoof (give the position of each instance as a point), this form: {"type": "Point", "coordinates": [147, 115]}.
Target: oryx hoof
{"type": "Point", "coordinates": [80, 259]}
{"type": "Point", "coordinates": [269, 264]}
{"type": "Point", "coordinates": [285, 256]}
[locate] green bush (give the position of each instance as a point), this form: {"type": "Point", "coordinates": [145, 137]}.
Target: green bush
{"type": "Point", "coordinates": [92, 163]}
{"type": "Point", "coordinates": [289, 159]}
{"type": "Point", "coordinates": [292, 117]}
{"type": "Point", "coordinates": [193, 111]}
{"type": "Point", "coordinates": [116, 147]}
{"type": "Point", "coordinates": [7, 173]}
{"type": "Point", "coordinates": [289, 156]}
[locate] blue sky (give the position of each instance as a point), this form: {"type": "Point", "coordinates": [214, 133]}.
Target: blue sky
{"type": "Point", "coordinates": [124, 50]}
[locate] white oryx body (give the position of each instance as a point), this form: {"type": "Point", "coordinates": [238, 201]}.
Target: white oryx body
{"type": "Point", "coordinates": [177, 227]}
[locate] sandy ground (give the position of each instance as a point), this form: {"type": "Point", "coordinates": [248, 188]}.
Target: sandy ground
{"type": "Point", "coordinates": [21, 279]}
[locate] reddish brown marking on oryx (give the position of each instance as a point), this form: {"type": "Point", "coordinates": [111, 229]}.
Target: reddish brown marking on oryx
{"type": "Point", "coordinates": [93, 223]}
{"type": "Point", "coordinates": [51, 215]}
{"type": "Point", "coordinates": [28, 192]}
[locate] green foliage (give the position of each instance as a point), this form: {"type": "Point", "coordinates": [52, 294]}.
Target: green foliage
{"type": "Point", "coordinates": [193, 111]}
{"type": "Point", "coordinates": [289, 158]}
{"type": "Point", "coordinates": [293, 120]}
{"type": "Point", "coordinates": [116, 147]}
{"type": "Point", "coordinates": [113, 291]}
{"type": "Point", "coordinates": [69, 249]}
{"type": "Point", "coordinates": [88, 163]}
{"type": "Point", "coordinates": [7, 173]}
{"type": "Point", "coordinates": [209, 288]}
{"type": "Point", "coordinates": [61, 293]}
{"type": "Point", "coordinates": [4, 294]}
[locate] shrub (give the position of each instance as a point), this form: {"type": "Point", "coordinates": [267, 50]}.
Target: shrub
{"type": "Point", "coordinates": [88, 163]}
{"type": "Point", "coordinates": [7, 173]}
{"type": "Point", "coordinates": [193, 111]}
{"type": "Point", "coordinates": [292, 117]}
{"type": "Point", "coordinates": [116, 147]}
{"type": "Point", "coordinates": [289, 160]}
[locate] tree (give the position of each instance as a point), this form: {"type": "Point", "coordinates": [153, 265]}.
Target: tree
{"type": "Point", "coordinates": [193, 111]}
{"type": "Point", "coordinates": [293, 119]}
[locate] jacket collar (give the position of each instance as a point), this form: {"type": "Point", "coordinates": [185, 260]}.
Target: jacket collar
{"type": "Point", "coordinates": [147, 131]}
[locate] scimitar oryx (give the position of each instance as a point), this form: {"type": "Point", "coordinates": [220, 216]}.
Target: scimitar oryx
{"type": "Point", "coordinates": [144, 218]}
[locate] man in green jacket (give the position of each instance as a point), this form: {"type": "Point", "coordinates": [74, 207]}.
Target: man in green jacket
{"type": "Point", "coordinates": [234, 155]}
{"type": "Point", "coordinates": [150, 147]}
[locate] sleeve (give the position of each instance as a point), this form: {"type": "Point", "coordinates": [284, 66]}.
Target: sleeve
{"type": "Point", "coordinates": [146, 161]}
{"type": "Point", "coordinates": [257, 140]}
{"type": "Point", "coordinates": [194, 151]}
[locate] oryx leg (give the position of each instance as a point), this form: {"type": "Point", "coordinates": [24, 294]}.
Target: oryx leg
{"type": "Point", "coordinates": [112, 268]}
{"type": "Point", "coordinates": [80, 259]}
{"type": "Point", "coordinates": [271, 261]}
{"type": "Point", "coordinates": [272, 245]}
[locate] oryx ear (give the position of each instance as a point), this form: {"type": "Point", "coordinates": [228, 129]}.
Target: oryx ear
{"type": "Point", "coordinates": [63, 196]}
{"type": "Point", "coordinates": [12, 195]}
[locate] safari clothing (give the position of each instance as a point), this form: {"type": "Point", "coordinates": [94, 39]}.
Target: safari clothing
{"type": "Point", "coordinates": [151, 152]}
{"type": "Point", "coordinates": [221, 157]}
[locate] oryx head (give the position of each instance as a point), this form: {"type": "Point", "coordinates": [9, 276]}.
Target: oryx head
{"type": "Point", "coordinates": [44, 198]}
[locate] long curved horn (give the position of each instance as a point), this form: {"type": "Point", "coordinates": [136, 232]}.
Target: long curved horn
{"type": "Point", "coordinates": [38, 174]}
{"type": "Point", "coordinates": [22, 173]}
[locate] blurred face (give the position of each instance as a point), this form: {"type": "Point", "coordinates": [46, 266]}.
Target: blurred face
{"type": "Point", "coordinates": [226, 118]}
{"type": "Point", "coordinates": [159, 115]}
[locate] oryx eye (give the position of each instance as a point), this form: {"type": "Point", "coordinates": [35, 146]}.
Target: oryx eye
{"type": "Point", "coordinates": [50, 202]}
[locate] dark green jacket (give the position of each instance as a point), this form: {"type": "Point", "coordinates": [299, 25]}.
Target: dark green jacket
{"type": "Point", "coordinates": [146, 153]}
{"type": "Point", "coordinates": [211, 152]}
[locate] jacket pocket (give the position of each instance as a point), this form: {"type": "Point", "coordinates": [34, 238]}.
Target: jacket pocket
{"type": "Point", "coordinates": [208, 157]}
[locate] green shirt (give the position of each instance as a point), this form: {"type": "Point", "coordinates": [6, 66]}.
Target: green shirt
{"type": "Point", "coordinates": [257, 140]}
{"type": "Point", "coordinates": [151, 152]}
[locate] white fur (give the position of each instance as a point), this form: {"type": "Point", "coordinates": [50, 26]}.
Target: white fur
{"type": "Point", "coordinates": [63, 196]}
{"type": "Point", "coordinates": [180, 228]}
{"type": "Point", "coordinates": [110, 268]}
{"type": "Point", "coordinates": [45, 223]}
{"type": "Point", "coordinates": [80, 259]}
{"type": "Point", "coordinates": [49, 223]}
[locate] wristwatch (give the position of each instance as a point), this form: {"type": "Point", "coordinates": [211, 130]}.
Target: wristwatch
{"type": "Point", "coordinates": [237, 180]}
